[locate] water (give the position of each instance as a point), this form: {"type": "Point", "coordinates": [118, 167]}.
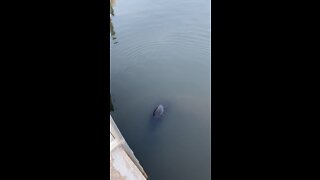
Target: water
{"type": "Point", "coordinates": [160, 54]}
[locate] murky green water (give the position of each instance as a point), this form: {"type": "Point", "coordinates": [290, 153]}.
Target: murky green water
{"type": "Point", "coordinates": [160, 53]}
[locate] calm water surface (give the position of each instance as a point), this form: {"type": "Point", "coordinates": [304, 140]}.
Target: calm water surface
{"type": "Point", "coordinates": [160, 53]}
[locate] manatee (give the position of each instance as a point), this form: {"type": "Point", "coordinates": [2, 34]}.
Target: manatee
{"type": "Point", "coordinates": [158, 112]}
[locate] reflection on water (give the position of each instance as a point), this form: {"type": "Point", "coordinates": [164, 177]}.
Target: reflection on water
{"type": "Point", "coordinates": [111, 10]}
{"type": "Point", "coordinates": [113, 35]}
{"type": "Point", "coordinates": [112, 31]}
{"type": "Point", "coordinates": [163, 58]}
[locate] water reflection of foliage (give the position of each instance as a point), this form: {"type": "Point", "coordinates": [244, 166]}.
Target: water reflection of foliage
{"type": "Point", "coordinates": [113, 33]}
{"type": "Point", "coordinates": [111, 9]}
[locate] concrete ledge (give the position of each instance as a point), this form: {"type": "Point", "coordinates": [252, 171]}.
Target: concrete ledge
{"type": "Point", "coordinates": [123, 163]}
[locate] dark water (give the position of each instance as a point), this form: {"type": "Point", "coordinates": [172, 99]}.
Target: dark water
{"type": "Point", "coordinates": [160, 53]}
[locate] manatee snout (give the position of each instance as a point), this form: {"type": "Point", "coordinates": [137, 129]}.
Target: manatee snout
{"type": "Point", "coordinates": [158, 112]}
